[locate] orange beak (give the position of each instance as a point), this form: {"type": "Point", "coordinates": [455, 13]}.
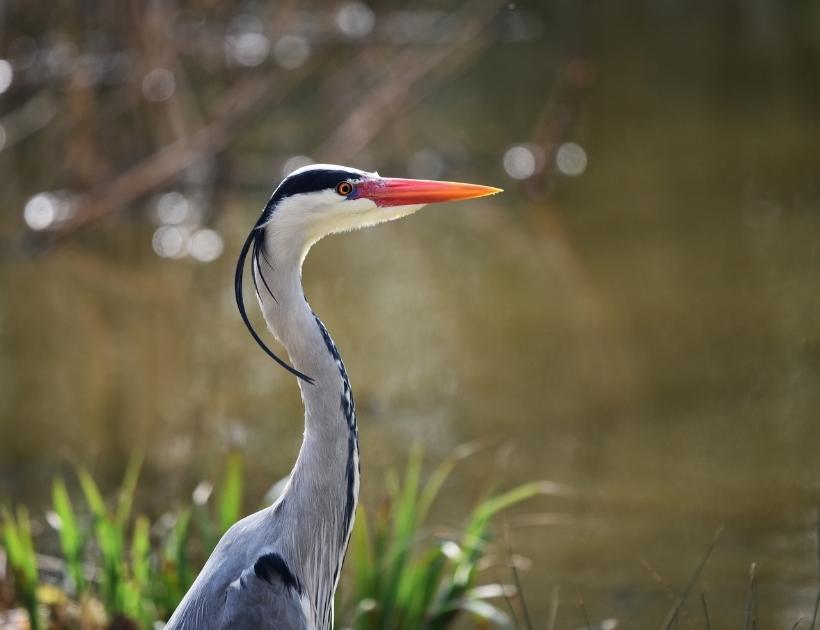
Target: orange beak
{"type": "Point", "coordinates": [392, 191]}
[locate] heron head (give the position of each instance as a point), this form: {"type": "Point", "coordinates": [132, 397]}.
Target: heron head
{"type": "Point", "coordinates": [323, 199]}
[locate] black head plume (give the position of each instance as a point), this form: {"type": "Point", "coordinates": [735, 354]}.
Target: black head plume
{"type": "Point", "coordinates": [319, 177]}
{"type": "Point", "coordinates": [255, 240]}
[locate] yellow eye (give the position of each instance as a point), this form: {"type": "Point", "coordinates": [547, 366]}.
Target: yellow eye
{"type": "Point", "coordinates": [344, 189]}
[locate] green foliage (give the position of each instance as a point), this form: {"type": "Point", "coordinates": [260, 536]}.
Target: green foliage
{"type": "Point", "coordinates": [399, 576]}
{"type": "Point", "coordinates": [403, 578]}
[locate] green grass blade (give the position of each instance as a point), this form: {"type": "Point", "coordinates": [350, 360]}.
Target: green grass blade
{"type": "Point", "coordinates": [496, 504]}
{"type": "Point", "coordinates": [109, 535]}
{"type": "Point", "coordinates": [125, 496]}
{"type": "Point", "coordinates": [140, 552]}
{"type": "Point", "coordinates": [11, 539]}
{"type": "Point", "coordinates": [72, 539]}
{"type": "Point", "coordinates": [361, 556]}
{"type": "Point", "coordinates": [93, 497]}
{"type": "Point", "coordinates": [138, 603]}
{"type": "Point", "coordinates": [20, 549]}
{"type": "Point", "coordinates": [179, 550]}
{"type": "Point", "coordinates": [229, 502]}
{"type": "Point", "coordinates": [430, 571]}
{"type": "Point", "coordinates": [440, 474]}
{"type": "Point", "coordinates": [403, 535]}
{"type": "Point", "coordinates": [433, 487]}
{"type": "Point", "coordinates": [29, 561]}
{"type": "Point", "coordinates": [69, 531]}
{"type": "Point", "coordinates": [175, 574]}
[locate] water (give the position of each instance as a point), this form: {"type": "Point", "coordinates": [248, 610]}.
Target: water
{"type": "Point", "coordinates": [646, 332]}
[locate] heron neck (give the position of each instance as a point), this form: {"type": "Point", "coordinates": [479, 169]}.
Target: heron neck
{"type": "Point", "coordinates": [300, 331]}
{"type": "Point", "coordinates": [322, 493]}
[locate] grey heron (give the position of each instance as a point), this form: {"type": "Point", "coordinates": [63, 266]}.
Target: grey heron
{"type": "Point", "coordinates": [279, 568]}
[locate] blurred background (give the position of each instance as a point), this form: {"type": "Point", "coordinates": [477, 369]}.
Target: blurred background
{"type": "Point", "coordinates": [637, 316]}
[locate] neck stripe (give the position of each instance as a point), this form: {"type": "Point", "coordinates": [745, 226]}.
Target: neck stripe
{"type": "Point", "coordinates": [352, 469]}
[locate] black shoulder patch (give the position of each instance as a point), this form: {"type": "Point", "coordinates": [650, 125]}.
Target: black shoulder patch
{"type": "Point", "coordinates": [271, 565]}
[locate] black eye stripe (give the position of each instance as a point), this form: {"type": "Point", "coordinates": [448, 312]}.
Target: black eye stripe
{"type": "Point", "coordinates": [314, 181]}
{"type": "Point", "coordinates": [307, 182]}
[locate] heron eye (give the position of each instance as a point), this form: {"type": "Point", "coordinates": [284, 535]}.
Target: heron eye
{"type": "Point", "coordinates": [344, 189]}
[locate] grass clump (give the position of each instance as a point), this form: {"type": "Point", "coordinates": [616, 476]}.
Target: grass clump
{"type": "Point", "coordinates": [120, 569]}
{"type": "Point", "coordinates": [404, 577]}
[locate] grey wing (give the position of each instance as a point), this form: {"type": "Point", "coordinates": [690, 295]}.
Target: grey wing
{"type": "Point", "coordinates": [267, 596]}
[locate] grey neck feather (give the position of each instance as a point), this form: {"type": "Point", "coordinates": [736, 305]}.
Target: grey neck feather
{"type": "Point", "coordinates": [319, 502]}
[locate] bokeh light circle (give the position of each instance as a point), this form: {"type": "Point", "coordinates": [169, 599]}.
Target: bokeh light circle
{"type": "Point", "coordinates": [520, 161]}
{"type": "Point", "coordinates": [171, 241]}
{"type": "Point", "coordinates": [206, 245]}
{"type": "Point", "coordinates": [173, 208]}
{"type": "Point", "coordinates": [158, 85]}
{"type": "Point", "coordinates": [6, 75]}
{"type": "Point", "coordinates": [571, 159]}
{"type": "Point", "coordinates": [355, 20]}
{"type": "Point", "coordinates": [40, 211]}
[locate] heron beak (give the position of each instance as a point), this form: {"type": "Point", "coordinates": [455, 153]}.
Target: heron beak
{"type": "Point", "coordinates": [392, 191]}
